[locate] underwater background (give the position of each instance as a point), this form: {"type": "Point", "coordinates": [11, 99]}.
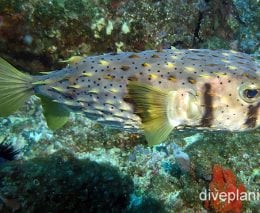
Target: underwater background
{"type": "Point", "coordinates": [86, 167]}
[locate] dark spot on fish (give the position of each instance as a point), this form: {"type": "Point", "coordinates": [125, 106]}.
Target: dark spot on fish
{"type": "Point", "coordinates": [191, 80]}
{"type": "Point", "coordinates": [172, 78]}
{"type": "Point", "coordinates": [155, 56]}
{"type": "Point", "coordinates": [252, 115]}
{"type": "Point", "coordinates": [114, 53]}
{"type": "Point", "coordinates": [132, 78]}
{"type": "Point", "coordinates": [134, 56]}
{"type": "Point", "coordinates": [124, 67]}
{"type": "Point", "coordinates": [195, 51]}
{"type": "Point", "coordinates": [207, 118]}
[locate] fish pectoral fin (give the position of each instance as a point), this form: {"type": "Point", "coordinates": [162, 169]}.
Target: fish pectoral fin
{"type": "Point", "coordinates": [157, 132]}
{"type": "Point", "coordinates": [150, 104]}
{"type": "Point", "coordinates": [56, 114]}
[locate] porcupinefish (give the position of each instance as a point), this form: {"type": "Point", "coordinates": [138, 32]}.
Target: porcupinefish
{"type": "Point", "coordinates": [151, 91]}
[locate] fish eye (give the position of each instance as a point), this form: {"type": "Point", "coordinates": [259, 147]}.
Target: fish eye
{"type": "Point", "coordinates": [249, 93]}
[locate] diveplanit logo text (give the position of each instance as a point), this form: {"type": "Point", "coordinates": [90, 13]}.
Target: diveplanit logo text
{"type": "Point", "coordinates": [228, 197]}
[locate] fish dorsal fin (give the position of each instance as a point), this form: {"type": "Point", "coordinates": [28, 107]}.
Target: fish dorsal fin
{"type": "Point", "coordinates": [56, 114]}
{"type": "Point", "coordinates": [151, 105]}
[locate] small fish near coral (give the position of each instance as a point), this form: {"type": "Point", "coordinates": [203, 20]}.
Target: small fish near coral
{"type": "Point", "coordinates": [151, 91]}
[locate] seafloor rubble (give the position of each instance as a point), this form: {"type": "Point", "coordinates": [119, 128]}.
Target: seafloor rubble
{"type": "Point", "coordinates": [84, 167]}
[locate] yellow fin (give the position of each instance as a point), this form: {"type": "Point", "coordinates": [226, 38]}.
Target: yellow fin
{"type": "Point", "coordinates": [151, 105]}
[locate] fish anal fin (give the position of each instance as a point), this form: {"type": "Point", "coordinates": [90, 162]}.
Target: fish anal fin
{"type": "Point", "coordinates": [56, 114]}
{"type": "Point", "coordinates": [150, 104]}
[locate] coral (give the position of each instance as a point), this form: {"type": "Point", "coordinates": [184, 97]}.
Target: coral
{"type": "Point", "coordinates": [43, 33]}
{"type": "Point", "coordinates": [148, 205]}
{"type": "Point", "coordinates": [182, 159]}
{"type": "Point", "coordinates": [224, 183]}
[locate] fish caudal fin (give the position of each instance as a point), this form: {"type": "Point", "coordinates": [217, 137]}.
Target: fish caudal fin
{"type": "Point", "coordinates": [150, 104]}
{"type": "Point", "coordinates": [15, 88]}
